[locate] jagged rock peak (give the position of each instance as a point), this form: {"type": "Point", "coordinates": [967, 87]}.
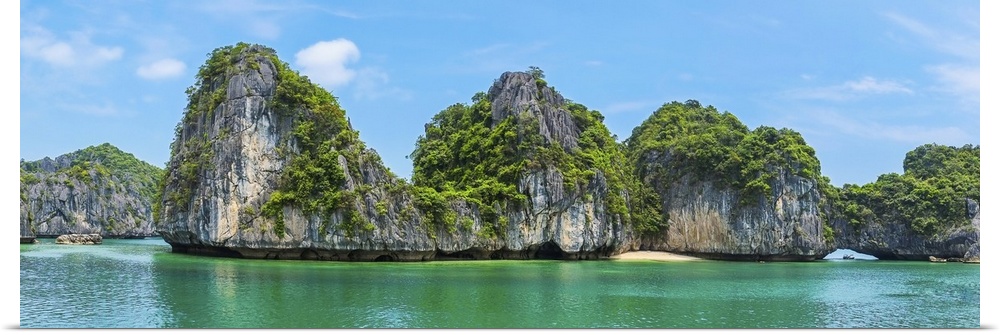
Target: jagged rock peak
{"type": "Point", "coordinates": [515, 93]}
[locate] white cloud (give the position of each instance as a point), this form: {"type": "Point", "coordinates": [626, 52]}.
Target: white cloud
{"type": "Point", "coordinates": [593, 63]}
{"type": "Point", "coordinates": [161, 69]}
{"type": "Point", "coordinates": [39, 43]}
{"type": "Point", "coordinates": [867, 85]}
{"type": "Point", "coordinates": [326, 62]}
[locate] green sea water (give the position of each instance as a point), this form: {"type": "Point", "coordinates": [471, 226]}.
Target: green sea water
{"type": "Point", "coordinates": [140, 284]}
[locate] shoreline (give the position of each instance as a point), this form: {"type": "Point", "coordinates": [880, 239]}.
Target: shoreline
{"type": "Point", "coordinates": [662, 256]}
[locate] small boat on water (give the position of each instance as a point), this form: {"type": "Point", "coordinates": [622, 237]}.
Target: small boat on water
{"type": "Point", "coordinates": [847, 256]}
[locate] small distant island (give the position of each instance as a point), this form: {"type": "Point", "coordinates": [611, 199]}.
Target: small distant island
{"type": "Point", "coordinates": [265, 164]}
{"type": "Point", "coordinates": [96, 190]}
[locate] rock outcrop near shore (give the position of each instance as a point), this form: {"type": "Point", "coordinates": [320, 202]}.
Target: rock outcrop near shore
{"type": "Point", "coordinates": [83, 239]}
{"type": "Point", "coordinates": [931, 209]}
{"type": "Point", "coordinates": [727, 192]}
{"type": "Point", "coordinates": [96, 190]}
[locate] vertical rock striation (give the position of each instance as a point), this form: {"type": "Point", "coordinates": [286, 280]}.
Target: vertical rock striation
{"type": "Point", "coordinates": [713, 222]}
{"type": "Point", "coordinates": [227, 163]}
{"type": "Point", "coordinates": [727, 192]}
{"type": "Point", "coordinates": [555, 221]}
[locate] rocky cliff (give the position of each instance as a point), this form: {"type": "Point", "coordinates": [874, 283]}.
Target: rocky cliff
{"type": "Point", "coordinates": [710, 222]}
{"type": "Point", "coordinates": [727, 192]}
{"type": "Point", "coordinates": [96, 190]}
{"type": "Point", "coordinates": [265, 165]}
{"type": "Point", "coordinates": [932, 209]}
{"type": "Point", "coordinates": [529, 140]}
{"type": "Point", "coordinates": [895, 240]}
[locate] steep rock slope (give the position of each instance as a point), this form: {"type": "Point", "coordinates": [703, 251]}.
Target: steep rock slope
{"type": "Point", "coordinates": [728, 192]}
{"type": "Point", "coordinates": [932, 209]}
{"type": "Point", "coordinates": [265, 165]}
{"type": "Point", "coordinates": [528, 174]}
{"type": "Point", "coordinates": [96, 190]}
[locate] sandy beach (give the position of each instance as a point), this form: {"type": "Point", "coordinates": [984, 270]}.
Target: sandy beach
{"type": "Point", "coordinates": [653, 256]}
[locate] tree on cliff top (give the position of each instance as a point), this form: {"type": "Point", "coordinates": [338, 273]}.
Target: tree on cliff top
{"type": "Point", "coordinates": [714, 146]}
{"type": "Point", "coordinates": [466, 153]}
{"type": "Point", "coordinates": [929, 197]}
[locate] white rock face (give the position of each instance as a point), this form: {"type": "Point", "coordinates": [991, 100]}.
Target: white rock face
{"type": "Point", "coordinates": [709, 221]}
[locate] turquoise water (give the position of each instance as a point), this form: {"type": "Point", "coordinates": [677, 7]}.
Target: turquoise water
{"type": "Point", "coordinates": [140, 284]}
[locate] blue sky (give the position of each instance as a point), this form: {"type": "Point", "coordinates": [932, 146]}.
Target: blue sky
{"type": "Point", "coordinates": [863, 81]}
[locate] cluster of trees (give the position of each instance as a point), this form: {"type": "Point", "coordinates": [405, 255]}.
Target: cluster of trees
{"type": "Point", "coordinates": [716, 146]}
{"type": "Point", "coordinates": [101, 162]}
{"type": "Point", "coordinates": [467, 154]}
{"type": "Point", "coordinates": [930, 196]}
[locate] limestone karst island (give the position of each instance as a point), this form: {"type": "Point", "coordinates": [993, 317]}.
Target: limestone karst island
{"type": "Point", "coordinates": [265, 164]}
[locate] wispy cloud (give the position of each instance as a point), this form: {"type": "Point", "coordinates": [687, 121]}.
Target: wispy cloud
{"type": "Point", "coordinates": [500, 57]}
{"type": "Point", "coordinates": [271, 7]}
{"type": "Point", "coordinates": [866, 85]}
{"type": "Point", "coordinates": [959, 77]}
{"type": "Point", "coordinates": [593, 63]}
{"type": "Point", "coordinates": [492, 49]}
{"type": "Point", "coordinates": [104, 109]}
{"type": "Point", "coordinates": [161, 69]}
{"type": "Point", "coordinates": [326, 61]}
{"type": "Point", "coordinates": [959, 80]}
{"type": "Point", "coordinates": [75, 51]}
{"type": "Point", "coordinates": [262, 18]}
{"type": "Point", "coordinates": [898, 133]}
{"type": "Point", "coordinates": [628, 106]}
{"type": "Point", "coordinates": [373, 84]}
{"type": "Point", "coordinates": [942, 40]}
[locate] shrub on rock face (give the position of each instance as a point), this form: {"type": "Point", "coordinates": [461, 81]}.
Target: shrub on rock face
{"type": "Point", "coordinates": [929, 197]}
{"type": "Point", "coordinates": [479, 152]}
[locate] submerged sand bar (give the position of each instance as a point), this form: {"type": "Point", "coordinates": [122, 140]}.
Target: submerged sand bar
{"type": "Point", "coordinates": [653, 256]}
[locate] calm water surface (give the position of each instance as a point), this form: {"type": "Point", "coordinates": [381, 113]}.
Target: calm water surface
{"type": "Point", "coordinates": [140, 284]}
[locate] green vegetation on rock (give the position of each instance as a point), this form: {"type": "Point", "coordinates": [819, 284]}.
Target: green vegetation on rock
{"type": "Point", "coordinates": [100, 163]}
{"type": "Point", "coordinates": [313, 179]}
{"type": "Point", "coordinates": [714, 146]}
{"type": "Point", "coordinates": [467, 154]}
{"type": "Point", "coordinates": [929, 197]}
